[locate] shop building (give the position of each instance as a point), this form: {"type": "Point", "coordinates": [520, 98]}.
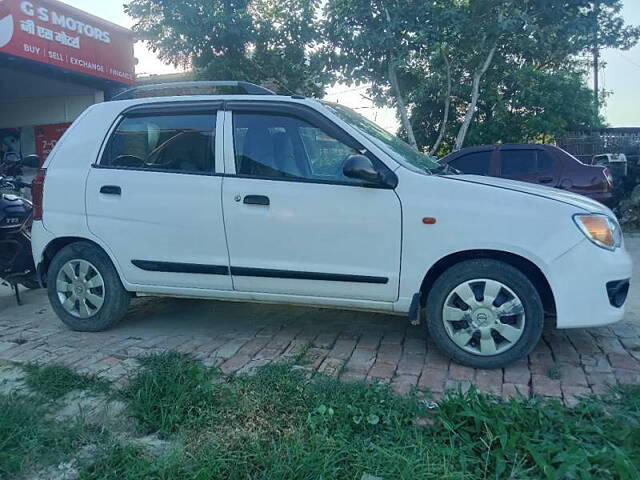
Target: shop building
{"type": "Point", "coordinates": [55, 61]}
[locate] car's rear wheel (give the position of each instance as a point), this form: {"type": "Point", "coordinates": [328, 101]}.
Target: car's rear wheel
{"type": "Point", "coordinates": [85, 289]}
{"type": "Point", "coordinates": [484, 313]}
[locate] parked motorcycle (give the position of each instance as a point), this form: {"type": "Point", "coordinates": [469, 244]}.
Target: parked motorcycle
{"type": "Point", "coordinates": [16, 216]}
{"type": "Point", "coordinates": [11, 172]}
{"type": "Point", "coordinates": [10, 165]}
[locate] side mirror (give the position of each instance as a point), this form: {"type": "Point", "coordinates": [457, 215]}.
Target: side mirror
{"type": "Point", "coordinates": [31, 161]}
{"type": "Point", "coordinates": [361, 168]}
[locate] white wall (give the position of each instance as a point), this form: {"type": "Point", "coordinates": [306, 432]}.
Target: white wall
{"type": "Point", "coordinates": [28, 99]}
{"type": "Point", "coordinates": [21, 112]}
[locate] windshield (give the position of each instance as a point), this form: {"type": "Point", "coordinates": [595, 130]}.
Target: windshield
{"type": "Point", "coordinates": [401, 151]}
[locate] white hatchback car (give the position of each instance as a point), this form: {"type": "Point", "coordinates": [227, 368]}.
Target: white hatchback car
{"type": "Point", "coordinates": [265, 198]}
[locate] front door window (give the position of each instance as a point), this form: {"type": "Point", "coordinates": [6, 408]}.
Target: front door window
{"type": "Point", "coordinates": [285, 147]}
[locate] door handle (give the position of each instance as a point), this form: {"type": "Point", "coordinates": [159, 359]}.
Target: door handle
{"type": "Point", "coordinates": [256, 200]}
{"type": "Point", "coordinates": [546, 180]}
{"type": "Point", "coordinates": [111, 190]}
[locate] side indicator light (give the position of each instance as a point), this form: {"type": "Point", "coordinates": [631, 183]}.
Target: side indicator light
{"type": "Point", "coordinates": [428, 220]}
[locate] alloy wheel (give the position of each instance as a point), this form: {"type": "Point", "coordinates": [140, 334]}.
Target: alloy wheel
{"type": "Point", "coordinates": [80, 288]}
{"type": "Point", "coordinates": [483, 317]}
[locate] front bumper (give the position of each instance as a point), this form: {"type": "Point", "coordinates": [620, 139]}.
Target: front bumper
{"type": "Point", "coordinates": [582, 281]}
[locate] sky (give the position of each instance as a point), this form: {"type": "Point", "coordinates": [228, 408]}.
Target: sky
{"type": "Point", "coordinates": [620, 75]}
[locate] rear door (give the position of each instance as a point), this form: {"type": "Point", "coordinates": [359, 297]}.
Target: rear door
{"type": "Point", "coordinates": [529, 165]}
{"type": "Point", "coordinates": [154, 198]}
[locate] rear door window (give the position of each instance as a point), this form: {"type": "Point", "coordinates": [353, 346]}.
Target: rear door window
{"type": "Point", "coordinates": [518, 162]}
{"type": "Point", "coordinates": [546, 163]}
{"type": "Point", "coordinates": [525, 162]}
{"type": "Point", "coordinates": [176, 142]}
{"type": "Point", "coordinates": [476, 163]}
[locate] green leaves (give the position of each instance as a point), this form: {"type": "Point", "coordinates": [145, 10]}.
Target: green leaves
{"type": "Point", "coordinates": [262, 41]}
{"type": "Point", "coordinates": [533, 90]}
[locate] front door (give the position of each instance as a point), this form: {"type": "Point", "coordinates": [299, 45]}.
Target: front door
{"type": "Point", "coordinates": [295, 224]}
{"type": "Point", "coordinates": [154, 199]}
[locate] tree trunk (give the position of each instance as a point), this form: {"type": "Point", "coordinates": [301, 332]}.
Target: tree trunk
{"type": "Point", "coordinates": [475, 94]}
{"type": "Point", "coordinates": [447, 107]}
{"type": "Point", "coordinates": [402, 108]}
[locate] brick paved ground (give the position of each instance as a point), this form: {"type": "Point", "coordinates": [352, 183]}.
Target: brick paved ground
{"type": "Point", "coordinates": [239, 337]}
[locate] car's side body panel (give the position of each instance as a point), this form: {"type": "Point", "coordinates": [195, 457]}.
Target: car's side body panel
{"type": "Point", "coordinates": [588, 180]}
{"type": "Point", "coordinates": [313, 239]}
{"type": "Point", "coordinates": [157, 238]}
{"type": "Point", "coordinates": [469, 217]}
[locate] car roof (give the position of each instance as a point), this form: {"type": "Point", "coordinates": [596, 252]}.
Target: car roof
{"type": "Point", "coordinates": [464, 151]}
{"type": "Point", "coordinates": [192, 88]}
{"type": "Point", "coordinates": [501, 146]}
{"type": "Point", "coordinates": [523, 146]}
{"type": "Point", "coordinates": [122, 105]}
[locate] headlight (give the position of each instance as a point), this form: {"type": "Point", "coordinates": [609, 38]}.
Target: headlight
{"type": "Point", "coordinates": [600, 229]}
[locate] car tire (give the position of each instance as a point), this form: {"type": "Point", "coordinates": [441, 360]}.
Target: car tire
{"type": "Point", "coordinates": [85, 290]}
{"type": "Point", "coordinates": [502, 321]}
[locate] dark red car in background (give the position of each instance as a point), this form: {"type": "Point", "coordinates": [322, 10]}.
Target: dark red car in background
{"type": "Point", "coordinates": [535, 163]}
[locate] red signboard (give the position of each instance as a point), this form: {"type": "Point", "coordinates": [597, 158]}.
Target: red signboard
{"type": "Point", "coordinates": [47, 136]}
{"type": "Point", "coordinates": [51, 32]}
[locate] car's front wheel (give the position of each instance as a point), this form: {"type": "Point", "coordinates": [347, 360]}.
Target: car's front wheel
{"type": "Point", "coordinates": [484, 313]}
{"type": "Point", "coordinates": [84, 288]}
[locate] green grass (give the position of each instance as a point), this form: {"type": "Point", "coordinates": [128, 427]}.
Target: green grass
{"type": "Point", "coordinates": [170, 391]}
{"type": "Point", "coordinates": [55, 381]}
{"type": "Point", "coordinates": [27, 437]}
{"type": "Point", "coordinates": [277, 424]}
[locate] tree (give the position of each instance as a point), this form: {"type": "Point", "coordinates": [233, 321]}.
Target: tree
{"type": "Point", "coordinates": [535, 33]}
{"type": "Point", "coordinates": [408, 50]}
{"type": "Point", "coordinates": [262, 41]}
{"type": "Point", "coordinates": [499, 44]}
{"type": "Point", "coordinates": [526, 105]}
{"type": "Point", "coordinates": [386, 41]}
{"type": "Point", "coordinates": [373, 42]}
